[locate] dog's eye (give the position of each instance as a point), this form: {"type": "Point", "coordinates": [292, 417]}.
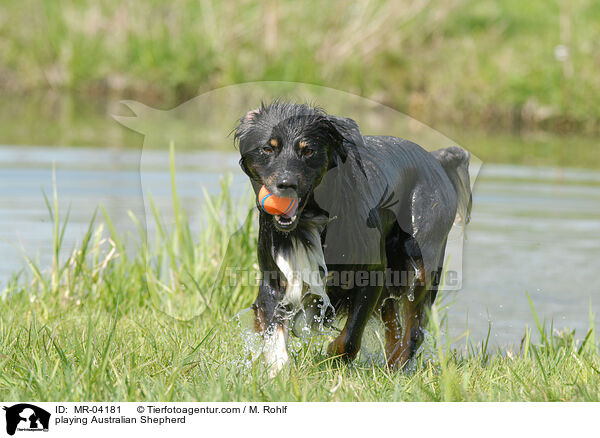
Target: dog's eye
{"type": "Point", "coordinates": [308, 152]}
{"type": "Point", "coordinates": [267, 149]}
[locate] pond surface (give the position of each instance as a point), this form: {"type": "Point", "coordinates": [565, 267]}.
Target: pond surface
{"type": "Point", "coordinates": [533, 229]}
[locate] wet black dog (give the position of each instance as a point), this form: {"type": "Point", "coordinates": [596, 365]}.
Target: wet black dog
{"type": "Point", "coordinates": [369, 233]}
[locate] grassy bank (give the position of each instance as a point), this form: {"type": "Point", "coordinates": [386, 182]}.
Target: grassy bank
{"type": "Point", "coordinates": [151, 319]}
{"type": "Point", "coordinates": [460, 61]}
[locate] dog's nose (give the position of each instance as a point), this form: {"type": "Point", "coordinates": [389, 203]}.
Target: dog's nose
{"type": "Point", "coordinates": [287, 185]}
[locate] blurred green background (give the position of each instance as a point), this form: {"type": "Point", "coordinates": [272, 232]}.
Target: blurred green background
{"type": "Point", "coordinates": [512, 81]}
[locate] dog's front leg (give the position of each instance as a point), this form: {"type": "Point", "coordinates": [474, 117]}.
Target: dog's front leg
{"type": "Point", "coordinates": [271, 323]}
{"type": "Point", "coordinates": [362, 303]}
{"type": "Point", "coordinates": [275, 352]}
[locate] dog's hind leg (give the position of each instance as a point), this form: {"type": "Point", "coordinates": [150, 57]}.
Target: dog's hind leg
{"type": "Point", "coordinates": [403, 320]}
{"type": "Point", "coordinates": [436, 278]}
{"type": "Point", "coordinates": [403, 311]}
{"type": "Point", "coordinates": [393, 328]}
{"type": "Point", "coordinates": [413, 311]}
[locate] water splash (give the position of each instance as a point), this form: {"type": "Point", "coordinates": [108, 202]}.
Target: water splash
{"type": "Point", "coordinates": [307, 331]}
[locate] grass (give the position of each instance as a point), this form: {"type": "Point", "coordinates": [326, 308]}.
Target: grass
{"type": "Point", "coordinates": [108, 323]}
{"type": "Point", "coordinates": [460, 61]}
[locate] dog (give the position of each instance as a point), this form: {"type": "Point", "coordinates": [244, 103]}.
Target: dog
{"type": "Point", "coordinates": [368, 236]}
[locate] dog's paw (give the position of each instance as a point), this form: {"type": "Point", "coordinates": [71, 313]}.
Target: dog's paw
{"type": "Point", "coordinates": [343, 351]}
{"type": "Point", "coordinates": [275, 353]}
{"type": "Point", "coordinates": [274, 368]}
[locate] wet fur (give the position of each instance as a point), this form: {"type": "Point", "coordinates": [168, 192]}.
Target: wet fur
{"type": "Point", "coordinates": [367, 204]}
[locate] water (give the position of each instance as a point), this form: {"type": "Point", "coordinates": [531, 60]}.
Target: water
{"type": "Point", "coordinates": [533, 230]}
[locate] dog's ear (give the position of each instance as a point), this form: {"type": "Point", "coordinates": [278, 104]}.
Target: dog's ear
{"type": "Point", "coordinates": [244, 166]}
{"type": "Point", "coordinates": [250, 116]}
{"type": "Point", "coordinates": [348, 129]}
{"type": "Point", "coordinates": [242, 137]}
{"type": "Point", "coordinates": [245, 127]}
{"type": "Point", "coordinates": [350, 139]}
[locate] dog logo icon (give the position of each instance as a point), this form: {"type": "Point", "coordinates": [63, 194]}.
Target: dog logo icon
{"type": "Point", "coordinates": [26, 417]}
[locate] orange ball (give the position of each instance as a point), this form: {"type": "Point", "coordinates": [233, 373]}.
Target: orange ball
{"type": "Point", "coordinates": [275, 205]}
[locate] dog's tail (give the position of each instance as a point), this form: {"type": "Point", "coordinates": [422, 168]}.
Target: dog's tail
{"type": "Point", "coordinates": [455, 162]}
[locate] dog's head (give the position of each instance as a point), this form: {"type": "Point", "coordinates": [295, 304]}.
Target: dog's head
{"type": "Point", "coordinates": [289, 148]}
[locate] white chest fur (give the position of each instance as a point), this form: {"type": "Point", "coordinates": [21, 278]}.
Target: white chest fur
{"type": "Point", "coordinates": [302, 263]}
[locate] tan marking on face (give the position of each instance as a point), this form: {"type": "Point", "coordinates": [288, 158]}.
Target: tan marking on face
{"type": "Point", "coordinates": [302, 144]}
{"type": "Point", "coordinates": [273, 142]}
